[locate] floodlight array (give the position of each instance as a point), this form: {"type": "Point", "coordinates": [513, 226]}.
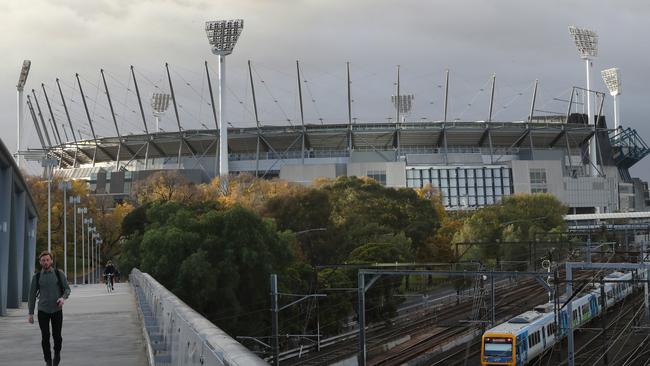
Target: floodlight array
{"type": "Point", "coordinates": [586, 41]}
{"type": "Point", "coordinates": [159, 103]}
{"type": "Point", "coordinates": [405, 103]}
{"type": "Point", "coordinates": [223, 35]}
{"type": "Point", "coordinates": [22, 79]}
{"type": "Point", "coordinates": [612, 78]}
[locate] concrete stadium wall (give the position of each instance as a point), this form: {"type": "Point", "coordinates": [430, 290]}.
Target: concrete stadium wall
{"type": "Point", "coordinates": [178, 335]}
{"type": "Point", "coordinates": [18, 218]}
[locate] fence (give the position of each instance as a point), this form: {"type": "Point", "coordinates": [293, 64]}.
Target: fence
{"type": "Point", "coordinates": [179, 336]}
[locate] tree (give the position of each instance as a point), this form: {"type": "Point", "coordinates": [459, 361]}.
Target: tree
{"type": "Point", "coordinates": [165, 186]}
{"type": "Point", "coordinates": [517, 218]}
{"type": "Point", "coordinates": [215, 259]}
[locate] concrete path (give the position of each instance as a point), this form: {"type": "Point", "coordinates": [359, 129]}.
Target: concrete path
{"type": "Point", "coordinates": [99, 329]}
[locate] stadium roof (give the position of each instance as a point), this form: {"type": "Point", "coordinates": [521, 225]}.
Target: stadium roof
{"type": "Point", "coordinates": [330, 137]}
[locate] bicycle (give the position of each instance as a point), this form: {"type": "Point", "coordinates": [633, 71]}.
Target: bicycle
{"type": "Point", "coordinates": [107, 281]}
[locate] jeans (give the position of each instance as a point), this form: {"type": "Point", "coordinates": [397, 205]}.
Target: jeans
{"type": "Point", "coordinates": [44, 323]}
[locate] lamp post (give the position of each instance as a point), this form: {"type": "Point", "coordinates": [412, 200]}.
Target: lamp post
{"type": "Point", "coordinates": [22, 79]}
{"type": "Point", "coordinates": [99, 258]}
{"type": "Point", "coordinates": [91, 231]}
{"type": "Point", "coordinates": [93, 257]}
{"type": "Point", "coordinates": [65, 186]}
{"type": "Point", "coordinates": [84, 211]}
{"type": "Point", "coordinates": [49, 165]}
{"type": "Point", "coordinates": [612, 79]}
{"type": "Point", "coordinates": [74, 200]}
{"type": "Point", "coordinates": [222, 36]}
{"type": "Point", "coordinates": [587, 44]}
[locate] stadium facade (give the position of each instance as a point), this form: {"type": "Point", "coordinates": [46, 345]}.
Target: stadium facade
{"type": "Point", "coordinates": [473, 164]}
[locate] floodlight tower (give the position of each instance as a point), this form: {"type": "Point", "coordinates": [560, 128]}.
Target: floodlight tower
{"type": "Point", "coordinates": [223, 35]}
{"type": "Point", "coordinates": [22, 79]}
{"type": "Point", "coordinates": [159, 103]}
{"type": "Point", "coordinates": [404, 103]}
{"type": "Point", "coordinates": [587, 43]}
{"type": "Point", "coordinates": [612, 78]}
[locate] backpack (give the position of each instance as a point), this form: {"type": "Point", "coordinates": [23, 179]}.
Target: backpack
{"type": "Point", "coordinates": [58, 281]}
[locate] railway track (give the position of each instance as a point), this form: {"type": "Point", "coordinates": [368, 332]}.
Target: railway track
{"type": "Point", "coordinates": [423, 327]}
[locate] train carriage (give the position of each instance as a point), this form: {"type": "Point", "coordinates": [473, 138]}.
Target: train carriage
{"type": "Point", "coordinates": [524, 337]}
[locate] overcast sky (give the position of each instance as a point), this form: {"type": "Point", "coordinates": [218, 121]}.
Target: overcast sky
{"type": "Point", "coordinates": [518, 40]}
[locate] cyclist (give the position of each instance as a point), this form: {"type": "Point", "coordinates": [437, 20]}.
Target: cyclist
{"type": "Point", "coordinates": [109, 270]}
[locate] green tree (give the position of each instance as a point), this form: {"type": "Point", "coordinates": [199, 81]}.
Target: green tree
{"type": "Point", "coordinates": [520, 218]}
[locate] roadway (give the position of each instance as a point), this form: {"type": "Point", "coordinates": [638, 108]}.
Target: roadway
{"type": "Point", "coordinates": [99, 329]}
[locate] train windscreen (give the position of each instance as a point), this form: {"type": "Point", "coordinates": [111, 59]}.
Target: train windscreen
{"type": "Point", "coordinates": [498, 347]}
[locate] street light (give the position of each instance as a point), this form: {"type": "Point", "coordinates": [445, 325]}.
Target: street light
{"type": "Point", "coordinates": [91, 230]}
{"type": "Point", "coordinates": [612, 78]}
{"type": "Point", "coordinates": [99, 257]}
{"type": "Point", "coordinates": [22, 79]}
{"type": "Point", "coordinates": [65, 186]}
{"type": "Point", "coordinates": [49, 164]}
{"type": "Point", "coordinates": [92, 267]}
{"type": "Point", "coordinates": [83, 211]}
{"type": "Point", "coordinates": [222, 36]}
{"type": "Point", "coordinates": [159, 103]}
{"type": "Point", "coordinates": [586, 42]}
{"type": "Point", "coordinates": [75, 200]}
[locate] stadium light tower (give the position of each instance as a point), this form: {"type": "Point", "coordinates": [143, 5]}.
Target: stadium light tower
{"type": "Point", "coordinates": [587, 43]}
{"type": "Point", "coordinates": [22, 79]}
{"type": "Point", "coordinates": [159, 103]}
{"type": "Point", "coordinates": [612, 78]}
{"type": "Point", "coordinates": [223, 35]}
{"type": "Point", "coordinates": [404, 103]}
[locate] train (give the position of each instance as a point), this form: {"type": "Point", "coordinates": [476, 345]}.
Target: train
{"type": "Point", "coordinates": [521, 339]}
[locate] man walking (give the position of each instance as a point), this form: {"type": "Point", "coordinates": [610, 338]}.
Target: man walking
{"type": "Point", "coordinates": [51, 288]}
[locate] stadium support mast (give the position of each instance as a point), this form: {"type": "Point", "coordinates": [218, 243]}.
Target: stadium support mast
{"type": "Point", "coordinates": [494, 80]}
{"type": "Point", "coordinates": [67, 115]}
{"type": "Point", "coordinates": [302, 114]}
{"type": "Point", "coordinates": [90, 122]}
{"type": "Point", "coordinates": [144, 120]}
{"type": "Point", "coordinates": [178, 121]}
{"type": "Point", "coordinates": [530, 120]}
{"type": "Point", "coordinates": [40, 115]}
{"type": "Point", "coordinates": [38, 129]}
{"type": "Point", "coordinates": [216, 121]}
{"type": "Point", "coordinates": [49, 107]}
{"type": "Point", "coordinates": [117, 130]}
{"type": "Point", "coordinates": [257, 120]}
{"type": "Point", "coordinates": [347, 67]}
{"type": "Point", "coordinates": [586, 42]}
{"type": "Point", "coordinates": [612, 78]}
{"type": "Point", "coordinates": [446, 95]}
{"type": "Point", "coordinates": [22, 79]}
{"type": "Point", "coordinates": [222, 36]}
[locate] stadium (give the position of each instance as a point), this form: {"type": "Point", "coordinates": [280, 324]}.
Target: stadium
{"type": "Point", "coordinates": [573, 154]}
{"type": "Point", "coordinates": [472, 163]}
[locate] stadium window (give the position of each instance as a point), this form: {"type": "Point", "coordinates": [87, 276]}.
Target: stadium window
{"type": "Point", "coordinates": [538, 181]}
{"type": "Point", "coordinates": [378, 175]}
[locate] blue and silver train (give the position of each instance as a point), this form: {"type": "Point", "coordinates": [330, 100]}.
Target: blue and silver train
{"type": "Point", "coordinates": [524, 337]}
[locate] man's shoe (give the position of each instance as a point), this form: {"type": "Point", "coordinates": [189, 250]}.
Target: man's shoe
{"type": "Point", "coordinates": [57, 359]}
{"type": "Point", "coordinates": [48, 363]}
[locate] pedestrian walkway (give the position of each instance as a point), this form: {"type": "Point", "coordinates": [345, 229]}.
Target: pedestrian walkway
{"type": "Point", "coordinates": [99, 329]}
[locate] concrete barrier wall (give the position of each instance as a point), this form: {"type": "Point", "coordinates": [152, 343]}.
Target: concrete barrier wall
{"type": "Point", "coordinates": [180, 336]}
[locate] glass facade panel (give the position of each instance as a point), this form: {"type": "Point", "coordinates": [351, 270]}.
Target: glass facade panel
{"type": "Point", "coordinates": [461, 187]}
